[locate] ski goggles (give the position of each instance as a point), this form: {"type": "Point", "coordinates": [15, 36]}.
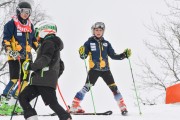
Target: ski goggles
{"type": "Point", "coordinates": [25, 10]}
{"type": "Point", "coordinates": [99, 25]}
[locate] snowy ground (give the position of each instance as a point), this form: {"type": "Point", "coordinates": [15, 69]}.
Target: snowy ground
{"type": "Point", "coordinates": [158, 112]}
{"type": "Point", "coordinates": [104, 101]}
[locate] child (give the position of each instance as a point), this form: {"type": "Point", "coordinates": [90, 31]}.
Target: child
{"type": "Point", "coordinates": [98, 50]}
{"type": "Point", "coordinates": [18, 39]}
{"type": "Point", "coordinates": [46, 69]}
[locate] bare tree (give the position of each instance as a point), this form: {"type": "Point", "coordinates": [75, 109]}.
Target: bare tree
{"type": "Point", "coordinates": [5, 3]}
{"type": "Point", "coordinates": [165, 49]}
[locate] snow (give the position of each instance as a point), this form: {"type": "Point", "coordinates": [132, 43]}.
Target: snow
{"type": "Point", "coordinates": [157, 112]}
{"type": "Point", "coordinates": [153, 112]}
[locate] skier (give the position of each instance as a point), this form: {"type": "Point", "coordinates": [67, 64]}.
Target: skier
{"type": "Point", "coordinates": [98, 49]}
{"type": "Point", "coordinates": [18, 41]}
{"type": "Point", "coordinates": [46, 69]}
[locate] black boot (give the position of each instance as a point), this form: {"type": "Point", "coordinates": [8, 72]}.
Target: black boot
{"type": "Point", "coordinates": [66, 117]}
{"type": "Point", "coordinates": [29, 113]}
{"type": "Point", "coordinates": [59, 110]}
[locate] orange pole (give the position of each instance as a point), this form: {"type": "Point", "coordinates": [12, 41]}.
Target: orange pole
{"type": "Point", "coordinates": [63, 98]}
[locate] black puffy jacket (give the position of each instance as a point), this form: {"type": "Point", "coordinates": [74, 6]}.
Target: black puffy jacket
{"type": "Point", "coordinates": [46, 67]}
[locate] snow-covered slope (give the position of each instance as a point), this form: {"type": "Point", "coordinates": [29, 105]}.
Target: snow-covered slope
{"type": "Point", "coordinates": [158, 112]}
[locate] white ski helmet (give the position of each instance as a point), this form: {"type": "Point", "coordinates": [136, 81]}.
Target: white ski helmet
{"type": "Point", "coordinates": [44, 28]}
{"type": "Point", "coordinates": [98, 25]}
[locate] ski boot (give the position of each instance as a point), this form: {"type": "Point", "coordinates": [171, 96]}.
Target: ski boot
{"type": "Point", "coordinates": [66, 117]}
{"type": "Point", "coordinates": [3, 99]}
{"type": "Point", "coordinates": [2, 112]}
{"type": "Point", "coordinates": [5, 109]}
{"type": "Point", "coordinates": [76, 108]}
{"type": "Point", "coordinates": [122, 107]}
{"type": "Point", "coordinates": [3, 106]}
{"type": "Point", "coordinates": [18, 110]}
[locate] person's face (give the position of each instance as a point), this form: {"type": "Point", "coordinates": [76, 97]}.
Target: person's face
{"type": "Point", "coordinates": [24, 15]}
{"type": "Point", "coordinates": [25, 12]}
{"type": "Point", "coordinates": [98, 32]}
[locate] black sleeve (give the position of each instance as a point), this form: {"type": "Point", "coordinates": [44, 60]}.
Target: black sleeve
{"type": "Point", "coordinates": [61, 67]}
{"type": "Point", "coordinates": [34, 41]}
{"type": "Point", "coordinates": [47, 49]}
{"type": "Point", "coordinates": [8, 30]}
{"type": "Point", "coordinates": [61, 44]}
{"type": "Point", "coordinates": [8, 33]}
{"type": "Point", "coordinates": [113, 55]}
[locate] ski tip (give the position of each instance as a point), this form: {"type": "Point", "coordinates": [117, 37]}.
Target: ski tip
{"type": "Point", "coordinates": [108, 112]}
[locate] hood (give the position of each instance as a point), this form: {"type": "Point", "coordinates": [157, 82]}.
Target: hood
{"type": "Point", "coordinates": [57, 41]}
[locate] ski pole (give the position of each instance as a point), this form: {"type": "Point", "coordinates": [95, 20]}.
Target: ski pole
{"type": "Point", "coordinates": [134, 86]}
{"type": "Point", "coordinates": [63, 98]}
{"type": "Point", "coordinates": [16, 101]}
{"type": "Point", "coordinates": [19, 80]}
{"type": "Point", "coordinates": [89, 84]}
{"type": "Point", "coordinates": [35, 102]}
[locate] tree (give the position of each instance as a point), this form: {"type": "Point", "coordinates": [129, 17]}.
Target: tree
{"type": "Point", "coordinates": [165, 50]}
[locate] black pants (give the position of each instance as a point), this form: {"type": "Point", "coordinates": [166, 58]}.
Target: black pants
{"type": "Point", "coordinates": [48, 95]}
{"type": "Point", "coordinates": [93, 75]}
{"type": "Point", "coordinates": [15, 75]}
{"type": "Point", "coordinates": [14, 71]}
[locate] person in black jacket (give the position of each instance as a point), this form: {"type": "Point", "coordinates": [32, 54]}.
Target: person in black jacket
{"type": "Point", "coordinates": [47, 70]}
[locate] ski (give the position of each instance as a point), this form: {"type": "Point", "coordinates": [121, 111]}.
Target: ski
{"type": "Point", "coordinates": [52, 114]}
{"type": "Point", "coordinates": [99, 113]}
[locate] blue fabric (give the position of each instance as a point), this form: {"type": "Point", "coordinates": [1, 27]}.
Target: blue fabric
{"type": "Point", "coordinates": [117, 96]}
{"type": "Point", "coordinates": [8, 88]}
{"type": "Point", "coordinates": [92, 45]}
{"type": "Point", "coordinates": [11, 30]}
{"type": "Point", "coordinates": [13, 92]}
{"type": "Point", "coordinates": [80, 95]}
{"type": "Point", "coordinates": [116, 92]}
